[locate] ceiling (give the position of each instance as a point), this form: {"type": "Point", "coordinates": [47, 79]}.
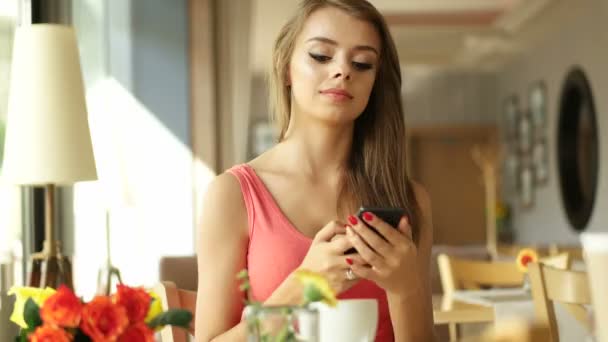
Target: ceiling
{"type": "Point", "coordinates": [448, 33]}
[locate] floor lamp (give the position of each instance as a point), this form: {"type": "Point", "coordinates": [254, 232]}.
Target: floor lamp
{"type": "Point", "coordinates": [48, 142]}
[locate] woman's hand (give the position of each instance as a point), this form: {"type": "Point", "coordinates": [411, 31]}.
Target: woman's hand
{"type": "Point", "coordinates": [326, 256]}
{"type": "Point", "coordinates": [391, 262]}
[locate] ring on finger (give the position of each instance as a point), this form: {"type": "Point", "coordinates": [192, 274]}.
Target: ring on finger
{"type": "Point", "coordinates": [350, 275]}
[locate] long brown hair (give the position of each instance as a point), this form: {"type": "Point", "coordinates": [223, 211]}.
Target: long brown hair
{"type": "Point", "coordinates": [376, 174]}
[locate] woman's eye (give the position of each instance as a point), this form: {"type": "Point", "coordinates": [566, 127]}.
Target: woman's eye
{"type": "Point", "coordinates": [319, 58]}
{"type": "Point", "coordinates": [362, 66]}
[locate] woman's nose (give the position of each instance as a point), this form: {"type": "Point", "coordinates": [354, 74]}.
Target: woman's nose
{"type": "Point", "coordinates": [342, 71]}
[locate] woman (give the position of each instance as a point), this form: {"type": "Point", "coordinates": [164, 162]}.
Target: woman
{"type": "Point", "coordinates": [335, 86]}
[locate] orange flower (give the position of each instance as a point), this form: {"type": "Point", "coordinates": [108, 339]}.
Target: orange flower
{"type": "Point", "coordinates": [48, 333]}
{"type": "Point", "coordinates": [138, 332]}
{"type": "Point", "coordinates": [135, 300]}
{"type": "Point", "coordinates": [524, 257]}
{"type": "Point", "coordinates": [102, 320]}
{"type": "Point", "coordinates": [62, 309]}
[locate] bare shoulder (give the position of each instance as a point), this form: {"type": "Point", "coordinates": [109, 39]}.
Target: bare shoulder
{"type": "Point", "coordinates": [223, 204]}
{"type": "Point", "coordinates": [224, 187]}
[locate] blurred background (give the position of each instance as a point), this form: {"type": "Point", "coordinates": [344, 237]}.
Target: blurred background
{"type": "Point", "coordinates": [176, 94]}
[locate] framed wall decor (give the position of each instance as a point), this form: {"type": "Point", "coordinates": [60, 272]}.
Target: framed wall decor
{"type": "Point", "coordinates": [511, 110]}
{"type": "Point", "coordinates": [525, 133]}
{"type": "Point", "coordinates": [537, 101]}
{"type": "Point", "coordinates": [526, 185]}
{"type": "Point", "coordinates": [511, 113]}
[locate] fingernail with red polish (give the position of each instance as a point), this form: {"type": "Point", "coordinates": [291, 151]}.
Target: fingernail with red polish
{"type": "Point", "coordinates": [349, 261]}
{"type": "Point", "coordinates": [352, 219]}
{"type": "Point", "coordinates": [368, 216]}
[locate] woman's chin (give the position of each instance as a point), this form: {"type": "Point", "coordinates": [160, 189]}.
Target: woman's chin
{"type": "Point", "coordinates": [336, 116]}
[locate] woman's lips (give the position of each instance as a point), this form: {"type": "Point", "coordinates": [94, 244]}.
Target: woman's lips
{"type": "Point", "coordinates": [337, 94]}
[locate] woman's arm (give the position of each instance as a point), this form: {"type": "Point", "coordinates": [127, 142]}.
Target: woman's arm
{"type": "Point", "coordinates": [221, 253]}
{"type": "Point", "coordinates": [412, 313]}
{"type": "Point", "coordinates": [222, 248]}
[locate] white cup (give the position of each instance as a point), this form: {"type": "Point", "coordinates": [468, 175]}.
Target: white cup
{"type": "Point", "coordinates": [352, 320]}
{"type": "Point", "coordinates": [595, 248]}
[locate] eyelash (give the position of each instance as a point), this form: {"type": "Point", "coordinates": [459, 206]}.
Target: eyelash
{"type": "Point", "coordinates": [359, 66]}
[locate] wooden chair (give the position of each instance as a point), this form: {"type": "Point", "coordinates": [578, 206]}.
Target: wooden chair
{"type": "Point", "coordinates": [514, 330]}
{"type": "Point", "coordinates": [173, 297]}
{"type": "Point", "coordinates": [575, 252]}
{"type": "Point", "coordinates": [511, 250]}
{"type": "Point", "coordinates": [569, 288]}
{"type": "Point", "coordinates": [463, 274]}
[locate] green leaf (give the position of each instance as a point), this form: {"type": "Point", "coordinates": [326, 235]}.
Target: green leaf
{"type": "Point", "coordinates": [285, 335]}
{"type": "Point", "coordinates": [244, 286]}
{"type": "Point", "coordinates": [243, 274]}
{"type": "Point", "coordinates": [175, 317]}
{"type": "Point", "coordinates": [31, 315]}
{"type": "Point", "coordinates": [22, 336]}
{"type": "Point", "coordinates": [312, 294]}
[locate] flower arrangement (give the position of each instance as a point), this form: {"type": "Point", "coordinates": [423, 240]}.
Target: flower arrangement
{"type": "Point", "coordinates": [281, 328]}
{"type": "Point", "coordinates": [131, 314]}
{"type": "Point", "coordinates": [524, 257]}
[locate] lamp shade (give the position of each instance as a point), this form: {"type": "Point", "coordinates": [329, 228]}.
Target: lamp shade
{"type": "Point", "coordinates": [47, 133]}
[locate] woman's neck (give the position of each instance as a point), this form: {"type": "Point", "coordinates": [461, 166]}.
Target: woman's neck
{"type": "Point", "coordinates": [319, 150]}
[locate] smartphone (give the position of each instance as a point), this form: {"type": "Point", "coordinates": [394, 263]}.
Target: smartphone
{"type": "Point", "coordinates": [392, 216]}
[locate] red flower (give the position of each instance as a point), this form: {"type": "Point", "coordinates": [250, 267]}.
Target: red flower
{"type": "Point", "coordinates": [48, 333]}
{"type": "Point", "coordinates": [524, 257]}
{"type": "Point", "coordinates": [62, 309]}
{"type": "Point", "coordinates": [102, 320]}
{"type": "Point", "coordinates": [135, 300]}
{"type": "Point", "coordinates": [138, 332]}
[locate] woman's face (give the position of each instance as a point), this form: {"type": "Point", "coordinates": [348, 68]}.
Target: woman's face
{"type": "Point", "coordinates": [333, 66]}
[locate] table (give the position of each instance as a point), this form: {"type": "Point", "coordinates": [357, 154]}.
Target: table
{"type": "Point", "coordinates": [447, 309]}
{"type": "Point", "coordinates": [495, 305]}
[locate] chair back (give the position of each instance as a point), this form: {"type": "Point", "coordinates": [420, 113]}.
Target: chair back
{"type": "Point", "coordinates": [569, 288]}
{"type": "Point", "coordinates": [463, 274]}
{"type": "Point", "coordinates": [181, 270]}
{"type": "Point", "coordinates": [173, 297]}
{"type": "Point", "coordinates": [466, 274]}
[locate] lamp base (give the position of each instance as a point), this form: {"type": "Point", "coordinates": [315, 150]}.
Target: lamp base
{"type": "Point", "coordinates": [50, 270]}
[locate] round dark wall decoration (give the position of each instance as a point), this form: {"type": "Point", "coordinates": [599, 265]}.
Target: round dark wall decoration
{"type": "Point", "coordinates": [577, 149]}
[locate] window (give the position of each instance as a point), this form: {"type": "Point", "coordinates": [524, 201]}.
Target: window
{"type": "Point", "coordinates": [10, 209]}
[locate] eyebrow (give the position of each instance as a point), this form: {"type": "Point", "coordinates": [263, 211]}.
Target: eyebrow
{"type": "Point", "coordinates": [333, 42]}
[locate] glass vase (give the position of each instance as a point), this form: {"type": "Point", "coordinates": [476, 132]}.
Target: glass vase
{"type": "Point", "coordinates": [281, 324]}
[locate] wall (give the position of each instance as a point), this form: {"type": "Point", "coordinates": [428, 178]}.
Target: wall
{"type": "Point", "coordinates": [435, 96]}
{"type": "Point", "coordinates": [579, 38]}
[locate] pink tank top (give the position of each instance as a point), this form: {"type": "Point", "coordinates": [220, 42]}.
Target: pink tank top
{"type": "Point", "coordinates": [277, 248]}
